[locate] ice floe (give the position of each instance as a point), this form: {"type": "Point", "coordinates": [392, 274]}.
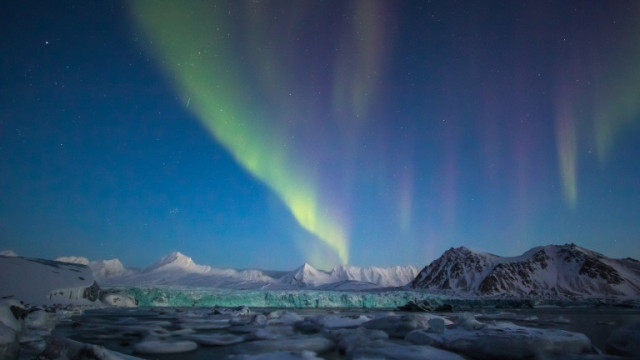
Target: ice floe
{"type": "Point", "coordinates": [391, 351]}
{"type": "Point", "coordinates": [279, 355]}
{"type": "Point", "coordinates": [62, 348]}
{"type": "Point", "coordinates": [503, 340]}
{"type": "Point", "coordinates": [400, 325]}
{"type": "Point", "coordinates": [216, 339]}
{"type": "Point", "coordinates": [336, 321]}
{"type": "Point", "coordinates": [164, 347]}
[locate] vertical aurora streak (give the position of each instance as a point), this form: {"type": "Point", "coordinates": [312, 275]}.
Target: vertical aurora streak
{"type": "Point", "coordinates": [597, 99]}
{"type": "Point", "coordinates": [566, 143]}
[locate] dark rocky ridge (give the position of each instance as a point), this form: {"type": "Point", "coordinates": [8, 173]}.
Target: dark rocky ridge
{"type": "Point", "coordinates": [553, 271]}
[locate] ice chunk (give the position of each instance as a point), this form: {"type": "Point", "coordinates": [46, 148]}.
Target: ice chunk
{"type": "Point", "coordinates": [400, 325]}
{"type": "Point", "coordinates": [468, 322]}
{"type": "Point", "coordinates": [41, 320]}
{"type": "Point", "coordinates": [393, 351]}
{"type": "Point", "coordinates": [436, 325]}
{"type": "Point", "coordinates": [259, 320]}
{"type": "Point", "coordinates": [279, 355]}
{"type": "Point", "coordinates": [183, 331]}
{"type": "Point", "coordinates": [215, 339]}
{"type": "Point", "coordinates": [500, 316]}
{"type": "Point", "coordinates": [164, 347]}
{"type": "Point", "coordinates": [506, 341]}
{"type": "Point", "coordinates": [241, 311]}
{"type": "Point", "coordinates": [335, 321]}
{"type": "Point", "coordinates": [9, 346]}
{"type": "Point", "coordinates": [272, 332]}
{"type": "Point", "coordinates": [121, 300]}
{"type": "Point", "coordinates": [12, 314]}
{"type": "Point", "coordinates": [308, 326]}
{"type": "Point", "coordinates": [62, 348]}
{"type": "Point", "coordinates": [316, 344]}
{"type": "Point", "coordinates": [349, 338]}
{"type": "Point", "coordinates": [283, 317]}
{"type": "Point", "coordinates": [425, 337]}
{"type": "Point", "coordinates": [159, 332]}
{"type": "Point", "coordinates": [206, 324]}
{"type": "Point", "coordinates": [561, 320]}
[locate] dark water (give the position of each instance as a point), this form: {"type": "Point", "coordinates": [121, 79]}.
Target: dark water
{"type": "Point", "coordinates": [120, 329]}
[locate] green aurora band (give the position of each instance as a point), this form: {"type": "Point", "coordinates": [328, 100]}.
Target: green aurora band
{"type": "Point", "coordinates": [197, 46]}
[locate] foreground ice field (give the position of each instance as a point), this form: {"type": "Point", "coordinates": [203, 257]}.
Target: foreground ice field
{"type": "Point", "coordinates": [255, 333]}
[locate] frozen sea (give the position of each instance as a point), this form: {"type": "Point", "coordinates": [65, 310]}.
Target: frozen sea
{"type": "Point", "coordinates": [358, 332]}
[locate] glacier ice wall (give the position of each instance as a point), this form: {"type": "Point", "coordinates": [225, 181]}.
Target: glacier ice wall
{"type": "Point", "coordinates": [172, 296]}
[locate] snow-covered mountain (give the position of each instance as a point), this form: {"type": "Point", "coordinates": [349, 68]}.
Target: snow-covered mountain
{"type": "Point", "coordinates": [178, 269]}
{"type": "Point", "coordinates": [102, 269]}
{"type": "Point", "coordinates": [8, 253]}
{"type": "Point", "coordinates": [105, 269]}
{"type": "Point", "coordinates": [177, 261]}
{"type": "Point", "coordinates": [73, 260]}
{"type": "Point", "coordinates": [347, 276]}
{"type": "Point", "coordinates": [306, 276]}
{"type": "Point", "coordinates": [552, 271]}
{"type": "Point", "coordinates": [385, 277]}
{"type": "Point", "coordinates": [38, 281]}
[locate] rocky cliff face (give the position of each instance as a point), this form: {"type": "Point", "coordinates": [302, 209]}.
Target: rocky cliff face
{"type": "Point", "coordinates": [458, 268]}
{"type": "Point", "coordinates": [551, 271]}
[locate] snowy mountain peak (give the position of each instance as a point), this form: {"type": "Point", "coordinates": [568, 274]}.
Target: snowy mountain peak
{"type": "Point", "coordinates": [73, 260]}
{"type": "Point", "coordinates": [105, 269]}
{"type": "Point", "coordinates": [177, 261]}
{"type": "Point", "coordinates": [548, 271]}
{"type": "Point", "coordinates": [307, 268]}
{"type": "Point", "coordinates": [8, 253]}
{"type": "Point", "coordinates": [175, 257]}
{"type": "Point", "coordinates": [305, 275]}
{"type": "Point", "coordinates": [458, 250]}
{"type": "Point", "coordinates": [385, 277]}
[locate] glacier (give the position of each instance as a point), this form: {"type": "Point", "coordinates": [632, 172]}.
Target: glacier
{"type": "Point", "coordinates": [172, 296]}
{"type": "Point", "coordinates": [207, 297]}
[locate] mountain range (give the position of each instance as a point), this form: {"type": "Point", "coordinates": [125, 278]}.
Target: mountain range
{"type": "Point", "coordinates": [177, 269]}
{"type": "Point", "coordinates": [552, 271]}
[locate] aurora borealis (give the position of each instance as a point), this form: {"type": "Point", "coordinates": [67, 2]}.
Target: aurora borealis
{"type": "Point", "coordinates": [266, 134]}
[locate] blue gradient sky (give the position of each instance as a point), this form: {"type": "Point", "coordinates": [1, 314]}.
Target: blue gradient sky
{"type": "Point", "coordinates": [265, 134]}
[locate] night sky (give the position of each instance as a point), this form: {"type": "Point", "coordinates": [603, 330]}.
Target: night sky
{"type": "Point", "coordinates": [270, 133]}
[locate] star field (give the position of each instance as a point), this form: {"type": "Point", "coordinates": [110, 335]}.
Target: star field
{"type": "Point", "coordinates": [265, 134]}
